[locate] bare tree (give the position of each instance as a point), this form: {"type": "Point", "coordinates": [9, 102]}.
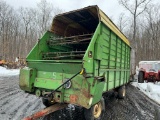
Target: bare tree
{"type": "Point", "coordinates": [26, 18]}
{"type": "Point", "coordinates": [153, 29]}
{"type": "Point", "coordinates": [136, 8]}
{"type": "Point", "coordinates": [23, 27]}
{"type": "Point", "coordinates": [5, 17]}
{"type": "Point", "coordinates": [28, 15]}
{"type": "Point", "coordinates": [148, 34]}
{"type": "Point", "coordinates": [122, 22]}
{"type": "Point", "coordinates": [45, 13]}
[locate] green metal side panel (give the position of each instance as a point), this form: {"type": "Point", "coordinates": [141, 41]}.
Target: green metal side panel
{"type": "Point", "coordinates": [39, 48]}
{"type": "Point", "coordinates": [110, 59]}
{"type": "Point", "coordinates": [70, 68]}
{"type": "Point", "coordinates": [112, 56]}
{"type": "Point", "coordinates": [95, 88]}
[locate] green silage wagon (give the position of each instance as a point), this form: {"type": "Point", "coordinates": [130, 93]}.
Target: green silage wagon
{"type": "Point", "coordinates": [83, 56]}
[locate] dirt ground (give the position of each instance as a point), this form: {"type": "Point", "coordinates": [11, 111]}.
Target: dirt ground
{"type": "Point", "coordinates": [16, 104]}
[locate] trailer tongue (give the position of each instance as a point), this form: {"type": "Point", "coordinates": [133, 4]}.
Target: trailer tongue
{"type": "Point", "coordinates": [46, 111]}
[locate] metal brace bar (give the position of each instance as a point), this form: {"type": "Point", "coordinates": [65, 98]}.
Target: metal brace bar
{"type": "Point", "coordinates": [45, 111]}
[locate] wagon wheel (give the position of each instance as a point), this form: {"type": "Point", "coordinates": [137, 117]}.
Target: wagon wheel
{"type": "Point", "coordinates": [47, 101]}
{"type": "Point", "coordinates": [140, 77]}
{"type": "Point", "coordinates": [96, 112]}
{"type": "Point", "coordinates": [122, 92]}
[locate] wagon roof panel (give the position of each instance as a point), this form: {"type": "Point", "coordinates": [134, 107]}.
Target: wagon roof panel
{"type": "Point", "coordinates": [86, 20]}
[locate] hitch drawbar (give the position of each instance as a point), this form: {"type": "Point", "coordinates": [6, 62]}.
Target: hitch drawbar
{"type": "Point", "coordinates": [46, 111]}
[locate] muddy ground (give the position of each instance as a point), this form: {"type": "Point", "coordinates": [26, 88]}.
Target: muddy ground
{"type": "Point", "coordinates": [15, 105]}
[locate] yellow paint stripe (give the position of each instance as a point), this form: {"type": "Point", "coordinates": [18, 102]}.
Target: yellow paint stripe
{"type": "Point", "coordinates": [81, 72]}
{"type": "Point", "coordinates": [109, 24]}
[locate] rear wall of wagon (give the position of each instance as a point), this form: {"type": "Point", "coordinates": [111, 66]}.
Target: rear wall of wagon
{"type": "Point", "coordinates": [113, 55]}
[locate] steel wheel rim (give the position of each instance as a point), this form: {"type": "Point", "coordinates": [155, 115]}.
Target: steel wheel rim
{"type": "Point", "coordinates": [97, 110]}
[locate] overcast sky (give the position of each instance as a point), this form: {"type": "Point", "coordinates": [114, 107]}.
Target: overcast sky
{"type": "Point", "coordinates": [110, 7]}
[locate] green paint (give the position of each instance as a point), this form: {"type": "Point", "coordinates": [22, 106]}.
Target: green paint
{"type": "Point", "coordinates": [50, 64]}
{"type": "Point", "coordinates": [27, 79]}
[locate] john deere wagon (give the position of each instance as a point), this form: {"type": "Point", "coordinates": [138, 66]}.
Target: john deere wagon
{"type": "Point", "coordinates": [83, 56]}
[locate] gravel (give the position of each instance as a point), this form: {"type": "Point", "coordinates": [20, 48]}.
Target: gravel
{"type": "Point", "coordinates": [15, 104]}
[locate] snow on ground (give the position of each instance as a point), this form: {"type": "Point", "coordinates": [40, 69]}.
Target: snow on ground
{"type": "Point", "coordinates": [7, 72]}
{"type": "Point", "coordinates": [150, 89]}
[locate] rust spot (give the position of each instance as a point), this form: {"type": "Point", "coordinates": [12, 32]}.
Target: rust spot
{"type": "Point", "coordinates": [73, 98]}
{"type": "Point", "coordinates": [86, 93]}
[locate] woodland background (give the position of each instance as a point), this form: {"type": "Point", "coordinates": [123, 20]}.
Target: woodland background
{"type": "Point", "coordinates": [21, 28]}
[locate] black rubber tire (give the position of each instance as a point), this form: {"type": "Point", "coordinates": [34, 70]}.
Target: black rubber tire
{"type": "Point", "coordinates": [89, 115]}
{"type": "Point", "coordinates": [122, 92]}
{"type": "Point", "coordinates": [46, 102]}
{"type": "Point", "coordinates": [140, 77]}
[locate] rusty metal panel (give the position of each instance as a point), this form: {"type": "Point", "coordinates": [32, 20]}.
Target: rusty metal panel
{"type": "Point", "coordinates": [76, 22]}
{"type": "Point", "coordinates": [83, 20]}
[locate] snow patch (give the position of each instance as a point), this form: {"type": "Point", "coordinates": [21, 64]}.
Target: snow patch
{"type": "Point", "coordinates": [8, 72]}
{"type": "Point", "coordinates": [150, 89]}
